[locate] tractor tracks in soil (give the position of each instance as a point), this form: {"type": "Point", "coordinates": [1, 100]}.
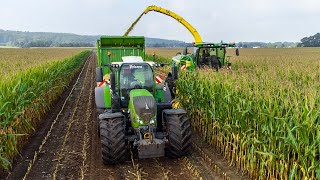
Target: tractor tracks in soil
{"type": "Point", "coordinates": [44, 162]}
{"type": "Point", "coordinates": [68, 146]}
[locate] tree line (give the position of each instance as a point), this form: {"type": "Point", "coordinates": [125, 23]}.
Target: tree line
{"type": "Point", "coordinates": [311, 41]}
{"type": "Point", "coordinates": [47, 39]}
{"type": "Point", "coordinates": [267, 45]}
{"type": "Point", "coordinates": [43, 43]}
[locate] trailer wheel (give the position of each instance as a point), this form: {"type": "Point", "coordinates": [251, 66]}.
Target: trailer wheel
{"type": "Point", "coordinates": [179, 135]}
{"type": "Point", "coordinates": [113, 143]}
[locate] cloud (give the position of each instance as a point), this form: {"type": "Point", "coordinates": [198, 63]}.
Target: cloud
{"type": "Point", "coordinates": [230, 20]}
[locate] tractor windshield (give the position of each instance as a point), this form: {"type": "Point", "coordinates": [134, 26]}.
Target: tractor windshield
{"type": "Point", "coordinates": [134, 76]}
{"type": "Point", "coordinates": [205, 54]}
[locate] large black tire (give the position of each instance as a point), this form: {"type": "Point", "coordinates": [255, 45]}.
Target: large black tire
{"type": "Point", "coordinates": [113, 143]}
{"type": "Point", "coordinates": [179, 135]}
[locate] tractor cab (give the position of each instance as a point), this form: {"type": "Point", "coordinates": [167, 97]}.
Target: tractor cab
{"type": "Point", "coordinates": [212, 54]}
{"type": "Point", "coordinates": [204, 54]}
{"type": "Point", "coordinates": [134, 76]}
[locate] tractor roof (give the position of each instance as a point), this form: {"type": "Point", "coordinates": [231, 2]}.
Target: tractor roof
{"type": "Point", "coordinates": [133, 60]}
{"type": "Point", "coordinates": [221, 44]}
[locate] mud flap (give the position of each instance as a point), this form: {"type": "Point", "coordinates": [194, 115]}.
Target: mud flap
{"type": "Point", "coordinates": [152, 149]}
{"type": "Point", "coordinates": [99, 97]}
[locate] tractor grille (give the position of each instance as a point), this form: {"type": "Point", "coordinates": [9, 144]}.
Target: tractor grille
{"type": "Point", "coordinates": [145, 107]}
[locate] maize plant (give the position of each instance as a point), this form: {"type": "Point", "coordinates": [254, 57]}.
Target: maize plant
{"type": "Point", "coordinates": [158, 59]}
{"type": "Point", "coordinates": [264, 115]}
{"type": "Point", "coordinates": [26, 96]}
{"type": "Point", "coordinates": [16, 59]}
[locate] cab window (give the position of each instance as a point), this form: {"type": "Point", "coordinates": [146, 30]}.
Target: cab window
{"type": "Point", "coordinates": [134, 76]}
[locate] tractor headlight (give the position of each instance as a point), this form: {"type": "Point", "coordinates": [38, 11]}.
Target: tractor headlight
{"type": "Point", "coordinates": [153, 120]}
{"type": "Point", "coordinates": [140, 121]}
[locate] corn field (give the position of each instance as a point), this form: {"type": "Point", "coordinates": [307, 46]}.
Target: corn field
{"type": "Point", "coordinates": [166, 52]}
{"type": "Point", "coordinates": [32, 80]}
{"type": "Point", "coordinates": [16, 60]}
{"type": "Point", "coordinates": [264, 115]}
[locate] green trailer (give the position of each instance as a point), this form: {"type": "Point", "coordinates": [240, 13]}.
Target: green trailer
{"type": "Point", "coordinates": [113, 48]}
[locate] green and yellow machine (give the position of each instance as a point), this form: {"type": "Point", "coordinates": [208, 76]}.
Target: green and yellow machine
{"type": "Point", "coordinates": [205, 54]}
{"type": "Point", "coordinates": [213, 55]}
{"type": "Point", "coordinates": [134, 111]}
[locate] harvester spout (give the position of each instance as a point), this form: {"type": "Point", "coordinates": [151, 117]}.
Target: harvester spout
{"type": "Point", "coordinates": [192, 30]}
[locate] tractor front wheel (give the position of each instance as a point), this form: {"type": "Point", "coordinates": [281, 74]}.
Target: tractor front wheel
{"type": "Point", "coordinates": [179, 135]}
{"type": "Point", "coordinates": [113, 142]}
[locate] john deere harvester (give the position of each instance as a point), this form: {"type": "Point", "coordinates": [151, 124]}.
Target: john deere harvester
{"type": "Point", "coordinates": [213, 55]}
{"type": "Point", "coordinates": [205, 54]}
{"type": "Point", "coordinates": [136, 112]}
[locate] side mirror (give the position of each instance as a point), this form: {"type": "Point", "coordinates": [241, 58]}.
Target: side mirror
{"type": "Point", "coordinates": [99, 74]}
{"type": "Point", "coordinates": [113, 82]}
{"type": "Point", "coordinates": [237, 52]}
{"type": "Point", "coordinates": [115, 101]}
{"type": "Point", "coordinates": [185, 51]}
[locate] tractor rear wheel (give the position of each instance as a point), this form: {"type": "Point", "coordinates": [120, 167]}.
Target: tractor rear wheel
{"type": "Point", "coordinates": [179, 135]}
{"type": "Point", "coordinates": [113, 142]}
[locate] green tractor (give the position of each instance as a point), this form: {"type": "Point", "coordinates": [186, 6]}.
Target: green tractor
{"type": "Point", "coordinates": [134, 111]}
{"type": "Point", "coordinates": [212, 55]}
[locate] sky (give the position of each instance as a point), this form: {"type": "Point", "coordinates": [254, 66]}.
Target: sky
{"type": "Point", "coordinates": [227, 20]}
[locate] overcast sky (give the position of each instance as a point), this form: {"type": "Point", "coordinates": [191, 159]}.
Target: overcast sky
{"type": "Point", "coordinates": [215, 20]}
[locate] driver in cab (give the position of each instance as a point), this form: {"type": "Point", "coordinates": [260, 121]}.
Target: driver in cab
{"type": "Point", "coordinates": [128, 76]}
{"type": "Point", "coordinates": [205, 57]}
{"type": "Point", "coordinates": [133, 78]}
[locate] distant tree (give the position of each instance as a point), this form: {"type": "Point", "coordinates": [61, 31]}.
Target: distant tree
{"type": "Point", "coordinates": [76, 44]}
{"type": "Point", "coordinates": [311, 41]}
